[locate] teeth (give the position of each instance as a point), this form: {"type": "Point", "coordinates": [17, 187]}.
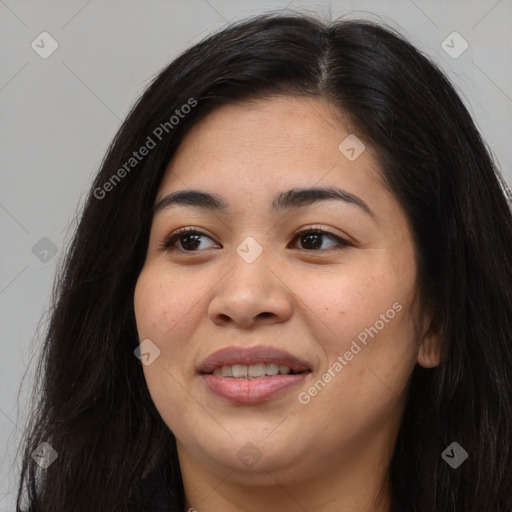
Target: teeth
{"type": "Point", "coordinates": [226, 371]}
{"type": "Point", "coordinates": [239, 370]}
{"type": "Point", "coordinates": [272, 369]}
{"type": "Point", "coordinates": [257, 370]}
{"type": "Point", "coordinates": [254, 371]}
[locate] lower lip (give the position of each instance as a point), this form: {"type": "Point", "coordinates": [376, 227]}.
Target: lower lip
{"type": "Point", "coordinates": [251, 391]}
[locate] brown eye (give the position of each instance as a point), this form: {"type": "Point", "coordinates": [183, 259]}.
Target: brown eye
{"type": "Point", "coordinates": [312, 239]}
{"type": "Point", "coordinates": [188, 238]}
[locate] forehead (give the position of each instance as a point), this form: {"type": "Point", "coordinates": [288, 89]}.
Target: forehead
{"type": "Point", "coordinates": [249, 151]}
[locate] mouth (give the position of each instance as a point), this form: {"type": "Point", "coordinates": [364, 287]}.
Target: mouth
{"type": "Point", "coordinates": [252, 374]}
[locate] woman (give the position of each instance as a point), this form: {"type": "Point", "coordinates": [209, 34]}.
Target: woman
{"type": "Point", "coordinates": [266, 370]}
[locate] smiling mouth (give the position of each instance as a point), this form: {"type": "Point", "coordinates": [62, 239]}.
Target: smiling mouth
{"type": "Point", "coordinates": [252, 375]}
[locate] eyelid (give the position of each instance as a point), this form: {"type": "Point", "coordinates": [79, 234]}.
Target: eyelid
{"type": "Point", "coordinates": [318, 228]}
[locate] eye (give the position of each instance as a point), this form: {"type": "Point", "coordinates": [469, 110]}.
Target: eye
{"type": "Point", "coordinates": [189, 238]}
{"type": "Point", "coordinates": [313, 237]}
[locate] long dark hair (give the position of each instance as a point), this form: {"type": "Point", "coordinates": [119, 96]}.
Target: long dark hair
{"type": "Point", "coordinates": [94, 409]}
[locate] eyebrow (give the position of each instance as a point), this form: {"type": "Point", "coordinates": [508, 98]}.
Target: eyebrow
{"type": "Point", "coordinates": [294, 198]}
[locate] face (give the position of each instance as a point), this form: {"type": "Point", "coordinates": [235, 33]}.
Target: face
{"type": "Point", "coordinates": [329, 279]}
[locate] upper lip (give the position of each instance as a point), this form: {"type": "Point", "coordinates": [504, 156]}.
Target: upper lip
{"type": "Point", "coordinates": [229, 356]}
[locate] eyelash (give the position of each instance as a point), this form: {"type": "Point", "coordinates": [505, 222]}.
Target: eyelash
{"type": "Point", "coordinates": [167, 244]}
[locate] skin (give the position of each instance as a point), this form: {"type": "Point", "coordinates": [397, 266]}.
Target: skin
{"type": "Point", "coordinates": [333, 453]}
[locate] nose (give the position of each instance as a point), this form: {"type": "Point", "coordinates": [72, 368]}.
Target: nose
{"type": "Point", "coordinates": [251, 294]}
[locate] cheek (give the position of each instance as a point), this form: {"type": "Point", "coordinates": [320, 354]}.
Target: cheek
{"type": "Point", "coordinates": [348, 302]}
{"type": "Point", "coordinates": [371, 329]}
{"type": "Point", "coordinates": [369, 320]}
{"type": "Point", "coordinates": [167, 310]}
{"type": "Point", "coordinates": [370, 353]}
{"type": "Point", "coordinates": [163, 306]}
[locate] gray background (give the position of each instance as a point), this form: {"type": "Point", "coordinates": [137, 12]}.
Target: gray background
{"type": "Point", "coordinates": [59, 114]}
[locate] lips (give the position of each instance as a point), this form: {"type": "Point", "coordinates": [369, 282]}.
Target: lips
{"type": "Point", "coordinates": [230, 356]}
{"type": "Point", "coordinates": [252, 390]}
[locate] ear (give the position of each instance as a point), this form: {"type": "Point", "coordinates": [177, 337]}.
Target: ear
{"type": "Point", "coordinates": [429, 353]}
